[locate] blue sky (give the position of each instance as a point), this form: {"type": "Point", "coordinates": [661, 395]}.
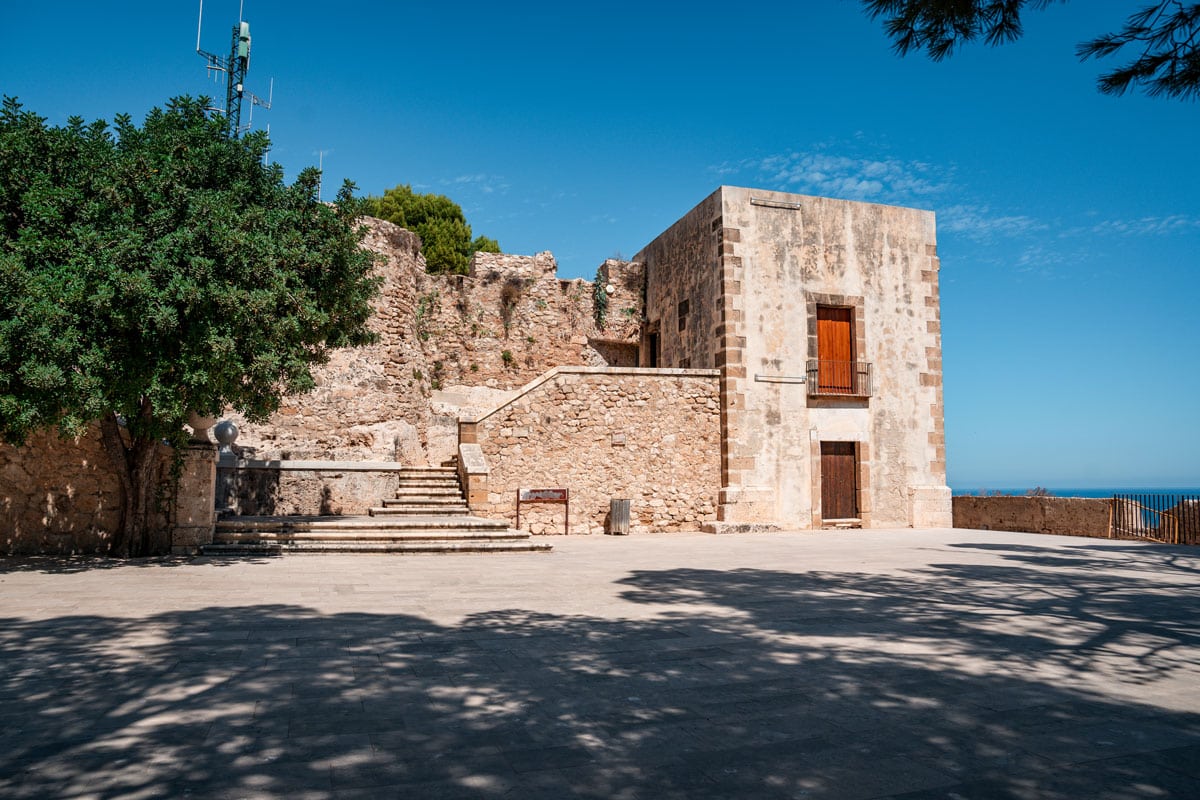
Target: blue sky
{"type": "Point", "coordinates": [1068, 222]}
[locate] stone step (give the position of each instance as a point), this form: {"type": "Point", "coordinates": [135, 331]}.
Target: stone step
{"type": "Point", "coordinates": [432, 472]}
{"type": "Point", "coordinates": [400, 534]}
{"type": "Point", "coordinates": [418, 510]}
{"type": "Point", "coordinates": [297, 524]}
{"type": "Point", "coordinates": [432, 547]}
{"type": "Point", "coordinates": [413, 535]}
{"type": "Point", "coordinates": [430, 483]}
{"type": "Point", "coordinates": [422, 491]}
{"type": "Point", "coordinates": [426, 501]}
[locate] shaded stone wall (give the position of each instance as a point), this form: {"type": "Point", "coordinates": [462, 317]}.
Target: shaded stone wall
{"type": "Point", "coordinates": [1062, 516]}
{"type": "Point", "coordinates": [63, 496]}
{"type": "Point", "coordinates": [312, 488]}
{"type": "Point", "coordinates": [651, 436]}
{"type": "Point", "coordinates": [58, 496]}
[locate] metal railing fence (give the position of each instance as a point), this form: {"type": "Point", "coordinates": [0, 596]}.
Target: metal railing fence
{"type": "Point", "coordinates": [1169, 518]}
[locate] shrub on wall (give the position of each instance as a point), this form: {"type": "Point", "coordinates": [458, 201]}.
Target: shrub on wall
{"type": "Point", "coordinates": [446, 239]}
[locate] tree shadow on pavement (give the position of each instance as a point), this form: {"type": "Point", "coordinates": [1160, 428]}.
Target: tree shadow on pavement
{"type": "Point", "coordinates": [961, 681]}
{"type": "Point", "coordinates": [67, 564]}
{"type": "Point", "coordinates": [1162, 559]}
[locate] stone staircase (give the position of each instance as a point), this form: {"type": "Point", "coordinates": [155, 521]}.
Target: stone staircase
{"type": "Point", "coordinates": [428, 515]}
{"type": "Point", "coordinates": [425, 491]}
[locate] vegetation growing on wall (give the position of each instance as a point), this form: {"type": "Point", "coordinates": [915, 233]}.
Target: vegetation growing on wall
{"type": "Point", "coordinates": [600, 298]}
{"type": "Point", "coordinates": [510, 295]}
{"type": "Point", "coordinates": [446, 239]}
{"type": "Point", "coordinates": [426, 306]}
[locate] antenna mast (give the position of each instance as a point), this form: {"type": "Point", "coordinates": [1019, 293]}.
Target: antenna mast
{"type": "Point", "coordinates": [235, 66]}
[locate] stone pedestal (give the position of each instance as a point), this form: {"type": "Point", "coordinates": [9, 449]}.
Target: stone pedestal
{"type": "Point", "coordinates": [195, 505]}
{"type": "Point", "coordinates": [473, 475]}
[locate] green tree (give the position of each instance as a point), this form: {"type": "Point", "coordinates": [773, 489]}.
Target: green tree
{"type": "Point", "coordinates": [1165, 36]}
{"type": "Point", "coordinates": [149, 272]}
{"type": "Point", "coordinates": [439, 221]}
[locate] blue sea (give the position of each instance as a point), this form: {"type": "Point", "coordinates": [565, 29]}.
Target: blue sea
{"type": "Point", "coordinates": [1077, 492]}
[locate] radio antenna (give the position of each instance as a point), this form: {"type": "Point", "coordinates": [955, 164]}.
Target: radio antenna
{"type": "Point", "coordinates": [234, 66]}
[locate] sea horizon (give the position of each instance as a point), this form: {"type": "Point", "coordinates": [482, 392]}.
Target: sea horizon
{"type": "Point", "coordinates": [1075, 491]}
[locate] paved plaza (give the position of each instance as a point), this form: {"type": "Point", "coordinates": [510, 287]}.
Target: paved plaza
{"type": "Point", "coordinates": [849, 664]}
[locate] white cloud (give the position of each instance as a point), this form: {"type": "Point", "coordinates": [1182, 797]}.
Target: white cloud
{"type": "Point", "coordinates": [1148, 226]}
{"type": "Point", "coordinates": [979, 223]}
{"type": "Point", "coordinates": [823, 171]}
{"type": "Point", "coordinates": [481, 180]}
{"type": "Point", "coordinates": [878, 180]}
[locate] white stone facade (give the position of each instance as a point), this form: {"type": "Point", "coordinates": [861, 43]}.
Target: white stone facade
{"type": "Point", "coordinates": [737, 283]}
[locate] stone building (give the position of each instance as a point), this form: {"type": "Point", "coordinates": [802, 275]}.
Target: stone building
{"type": "Point", "coordinates": [823, 319]}
{"type": "Point", "coordinates": [770, 361]}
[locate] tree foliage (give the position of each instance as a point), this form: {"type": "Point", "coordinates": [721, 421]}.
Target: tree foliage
{"type": "Point", "coordinates": [1164, 38]}
{"type": "Point", "coordinates": [149, 272]}
{"type": "Point", "coordinates": [445, 235]}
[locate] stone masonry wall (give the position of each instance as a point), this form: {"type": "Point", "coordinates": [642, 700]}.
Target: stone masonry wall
{"type": "Point", "coordinates": [59, 495]}
{"type": "Point", "coordinates": [1062, 516]}
{"type": "Point", "coordinates": [442, 337]}
{"type": "Point", "coordinates": [652, 436]}
{"type": "Point", "coordinates": [364, 405]}
{"type": "Point", "coordinates": [272, 490]}
{"type": "Point", "coordinates": [683, 290]}
{"type": "Point", "coordinates": [735, 285]}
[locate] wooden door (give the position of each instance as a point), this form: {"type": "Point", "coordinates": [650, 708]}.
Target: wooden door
{"type": "Point", "coordinates": [839, 483]}
{"type": "Point", "coordinates": [835, 350]}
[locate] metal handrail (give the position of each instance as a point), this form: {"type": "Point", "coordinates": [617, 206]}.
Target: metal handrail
{"type": "Point", "coordinates": [839, 378]}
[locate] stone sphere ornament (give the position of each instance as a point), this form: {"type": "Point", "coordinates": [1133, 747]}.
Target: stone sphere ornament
{"type": "Point", "coordinates": [226, 432]}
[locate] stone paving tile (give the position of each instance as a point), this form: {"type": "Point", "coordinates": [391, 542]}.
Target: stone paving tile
{"type": "Point", "coordinates": [1185, 760]}
{"type": "Point", "coordinates": [1127, 778]}
{"type": "Point", "coordinates": [388, 770]}
{"type": "Point", "coordinates": [1109, 739]}
{"type": "Point", "coordinates": [841, 665]}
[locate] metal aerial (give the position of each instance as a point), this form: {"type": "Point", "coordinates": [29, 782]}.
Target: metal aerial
{"type": "Point", "coordinates": [234, 67]}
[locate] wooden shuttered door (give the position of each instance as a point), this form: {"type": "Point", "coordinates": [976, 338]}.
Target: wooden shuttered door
{"type": "Point", "coordinates": [839, 484]}
{"type": "Point", "coordinates": [835, 350]}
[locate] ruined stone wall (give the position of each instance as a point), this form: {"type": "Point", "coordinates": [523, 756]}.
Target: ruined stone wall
{"type": "Point", "coordinates": [651, 436]}
{"type": "Point", "coordinates": [619, 327]}
{"type": "Point", "coordinates": [442, 339]}
{"type": "Point", "coordinates": [366, 404]}
{"type": "Point", "coordinates": [1062, 516]}
{"type": "Point", "coordinates": [504, 324]}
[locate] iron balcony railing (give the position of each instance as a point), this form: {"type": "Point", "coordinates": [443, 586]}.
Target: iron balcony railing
{"type": "Point", "coordinates": [841, 378]}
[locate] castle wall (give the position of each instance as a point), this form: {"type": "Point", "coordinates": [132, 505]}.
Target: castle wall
{"type": "Point", "coordinates": [1062, 516]}
{"type": "Point", "coordinates": [58, 496]}
{"type": "Point", "coordinates": [63, 496]}
{"type": "Point", "coordinates": [442, 339]}
{"type": "Point", "coordinates": [650, 436]}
